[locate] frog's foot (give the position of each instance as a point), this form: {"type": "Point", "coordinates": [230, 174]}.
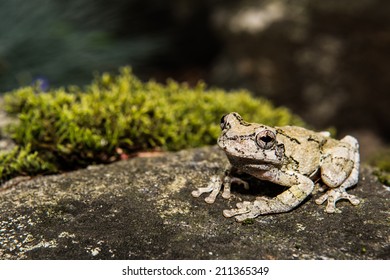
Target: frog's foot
{"type": "Point", "coordinates": [245, 210]}
{"type": "Point", "coordinates": [334, 195]}
{"type": "Point", "coordinates": [248, 210]}
{"type": "Point", "coordinates": [213, 188]}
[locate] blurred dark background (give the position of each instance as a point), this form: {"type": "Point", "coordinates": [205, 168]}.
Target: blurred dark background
{"type": "Point", "coordinates": [328, 61]}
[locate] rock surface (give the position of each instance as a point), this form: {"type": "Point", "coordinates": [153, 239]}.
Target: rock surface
{"type": "Point", "coordinates": [142, 209]}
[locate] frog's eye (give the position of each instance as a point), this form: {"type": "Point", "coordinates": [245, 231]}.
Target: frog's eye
{"type": "Point", "coordinates": [266, 139]}
{"type": "Point", "coordinates": [223, 121]}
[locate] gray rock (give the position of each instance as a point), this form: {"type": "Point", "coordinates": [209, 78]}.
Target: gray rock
{"type": "Point", "coordinates": [142, 209]}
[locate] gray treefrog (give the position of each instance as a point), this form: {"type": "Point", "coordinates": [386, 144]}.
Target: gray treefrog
{"type": "Point", "coordinates": [290, 156]}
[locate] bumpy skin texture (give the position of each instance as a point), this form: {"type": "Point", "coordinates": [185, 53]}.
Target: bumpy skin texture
{"type": "Point", "coordinates": [289, 156]}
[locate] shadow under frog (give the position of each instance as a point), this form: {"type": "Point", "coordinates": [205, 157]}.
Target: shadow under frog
{"type": "Point", "coordinates": [288, 156]}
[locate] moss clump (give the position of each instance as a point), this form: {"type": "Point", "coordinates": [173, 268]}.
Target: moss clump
{"type": "Point", "coordinates": [22, 161]}
{"type": "Point", "coordinates": [76, 127]}
{"type": "Point", "coordinates": [381, 163]}
{"type": "Point", "coordinates": [248, 222]}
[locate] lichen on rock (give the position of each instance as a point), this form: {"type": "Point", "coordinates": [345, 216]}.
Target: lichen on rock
{"type": "Point", "coordinates": [143, 209]}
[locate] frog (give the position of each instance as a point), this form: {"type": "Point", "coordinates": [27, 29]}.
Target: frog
{"type": "Point", "coordinates": [291, 156]}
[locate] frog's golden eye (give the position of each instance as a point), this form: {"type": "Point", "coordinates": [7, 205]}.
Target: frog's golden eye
{"type": "Point", "coordinates": [266, 139]}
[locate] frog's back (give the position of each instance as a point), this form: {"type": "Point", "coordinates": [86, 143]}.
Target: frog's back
{"type": "Point", "coordinates": [303, 148]}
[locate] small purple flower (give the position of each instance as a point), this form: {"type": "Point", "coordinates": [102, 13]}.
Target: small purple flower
{"type": "Point", "coordinates": [41, 83]}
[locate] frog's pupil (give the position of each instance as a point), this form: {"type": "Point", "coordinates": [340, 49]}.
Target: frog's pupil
{"type": "Point", "coordinates": [266, 139]}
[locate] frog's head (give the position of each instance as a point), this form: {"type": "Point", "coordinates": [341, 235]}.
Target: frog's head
{"type": "Point", "coordinates": [249, 145]}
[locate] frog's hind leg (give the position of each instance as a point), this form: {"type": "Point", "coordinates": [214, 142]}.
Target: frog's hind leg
{"type": "Point", "coordinates": [301, 188]}
{"type": "Point", "coordinates": [339, 171]}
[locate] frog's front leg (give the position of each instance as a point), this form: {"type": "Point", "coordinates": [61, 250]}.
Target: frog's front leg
{"type": "Point", "coordinates": [301, 187]}
{"type": "Point", "coordinates": [215, 185]}
{"type": "Point", "coordinates": [213, 188]}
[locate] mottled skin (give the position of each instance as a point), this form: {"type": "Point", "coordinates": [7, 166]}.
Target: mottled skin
{"type": "Point", "coordinates": [289, 156]}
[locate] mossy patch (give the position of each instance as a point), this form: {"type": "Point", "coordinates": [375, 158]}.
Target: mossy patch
{"type": "Point", "coordinates": [381, 163]}
{"type": "Point", "coordinates": [23, 161]}
{"type": "Point", "coordinates": [118, 115]}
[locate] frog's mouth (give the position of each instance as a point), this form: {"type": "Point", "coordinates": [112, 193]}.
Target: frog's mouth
{"type": "Point", "coordinates": [252, 164]}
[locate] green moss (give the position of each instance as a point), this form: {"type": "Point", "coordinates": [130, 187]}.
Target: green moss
{"type": "Point", "coordinates": [22, 161]}
{"type": "Point", "coordinates": [381, 163]}
{"type": "Point", "coordinates": [248, 222]}
{"type": "Point", "coordinates": [120, 114]}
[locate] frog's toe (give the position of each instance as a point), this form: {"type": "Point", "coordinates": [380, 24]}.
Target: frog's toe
{"type": "Point", "coordinates": [243, 217]}
{"type": "Point", "coordinates": [245, 210]}
{"type": "Point", "coordinates": [234, 212]}
{"type": "Point", "coordinates": [331, 208]}
{"type": "Point", "coordinates": [240, 214]}
{"type": "Point", "coordinates": [353, 199]}
{"type": "Point", "coordinates": [243, 204]}
{"type": "Point", "coordinates": [322, 198]}
{"type": "Point", "coordinates": [196, 193]}
{"type": "Point", "coordinates": [210, 199]}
